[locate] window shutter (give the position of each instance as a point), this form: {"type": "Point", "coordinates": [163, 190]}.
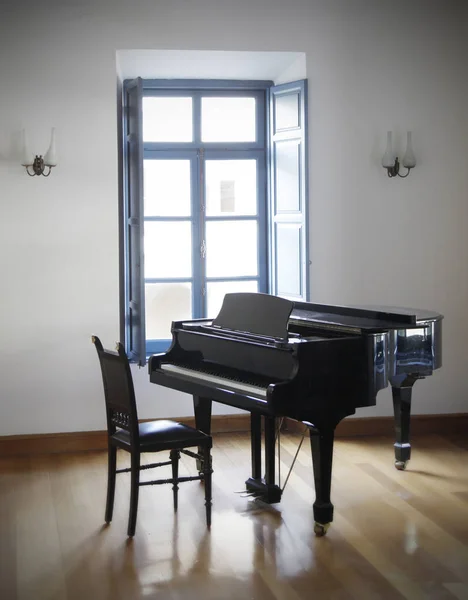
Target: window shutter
{"type": "Point", "coordinates": [289, 275]}
{"type": "Point", "coordinates": [135, 338]}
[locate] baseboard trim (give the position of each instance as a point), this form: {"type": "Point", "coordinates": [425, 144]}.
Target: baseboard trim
{"type": "Point", "coordinates": [455, 423]}
{"type": "Point", "coordinates": [82, 441]}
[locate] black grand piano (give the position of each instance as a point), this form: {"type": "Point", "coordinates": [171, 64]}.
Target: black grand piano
{"type": "Point", "coordinates": [314, 363]}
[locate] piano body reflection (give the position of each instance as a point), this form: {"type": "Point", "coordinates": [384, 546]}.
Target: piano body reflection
{"type": "Point", "coordinates": [310, 362]}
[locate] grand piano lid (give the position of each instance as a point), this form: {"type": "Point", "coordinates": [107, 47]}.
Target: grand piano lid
{"type": "Point", "coordinates": [256, 313]}
{"type": "Point", "coordinates": [420, 315]}
{"type": "Point", "coordinates": [362, 318]}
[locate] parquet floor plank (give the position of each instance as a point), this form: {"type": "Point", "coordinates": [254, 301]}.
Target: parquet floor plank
{"type": "Point", "coordinates": [395, 535]}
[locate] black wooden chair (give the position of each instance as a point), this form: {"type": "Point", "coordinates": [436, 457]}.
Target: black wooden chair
{"type": "Point", "coordinates": [126, 433]}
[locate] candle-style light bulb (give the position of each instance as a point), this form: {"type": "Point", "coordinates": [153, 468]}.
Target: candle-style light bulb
{"type": "Point", "coordinates": [409, 160]}
{"type": "Point", "coordinates": [388, 159]}
{"type": "Point", "coordinates": [27, 158]}
{"type": "Point", "coordinates": [50, 158]}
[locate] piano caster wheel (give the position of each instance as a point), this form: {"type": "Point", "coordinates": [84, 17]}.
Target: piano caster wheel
{"type": "Point", "coordinates": [401, 464]}
{"type": "Point", "coordinates": [320, 529]}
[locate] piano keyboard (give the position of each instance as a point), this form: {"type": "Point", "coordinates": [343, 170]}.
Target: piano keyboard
{"type": "Point", "coordinates": [227, 383]}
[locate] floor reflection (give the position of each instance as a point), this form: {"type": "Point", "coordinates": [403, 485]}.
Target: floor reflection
{"type": "Point", "coordinates": [247, 554]}
{"type": "Point", "coordinates": [394, 535]}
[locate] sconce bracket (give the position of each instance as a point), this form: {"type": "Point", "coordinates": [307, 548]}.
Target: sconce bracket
{"type": "Point", "coordinates": [394, 170]}
{"type": "Point", "coordinates": [38, 167]}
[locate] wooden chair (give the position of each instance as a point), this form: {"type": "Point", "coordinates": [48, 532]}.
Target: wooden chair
{"type": "Point", "coordinates": [125, 432]}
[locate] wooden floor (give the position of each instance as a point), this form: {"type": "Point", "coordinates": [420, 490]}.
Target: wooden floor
{"type": "Point", "coordinates": [395, 534]}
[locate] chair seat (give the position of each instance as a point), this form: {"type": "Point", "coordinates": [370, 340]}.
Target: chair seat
{"type": "Point", "coordinates": [159, 435]}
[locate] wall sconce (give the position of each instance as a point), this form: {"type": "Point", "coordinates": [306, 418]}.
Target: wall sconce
{"type": "Point", "coordinates": [391, 162]}
{"type": "Point", "coordinates": [39, 163]}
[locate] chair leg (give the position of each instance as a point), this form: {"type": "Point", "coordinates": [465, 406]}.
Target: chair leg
{"type": "Point", "coordinates": [135, 487]}
{"type": "Point", "coordinates": [111, 467]}
{"type": "Point", "coordinates": [207, 479]}
{"type": "Point", "coordinates": [175, 455]}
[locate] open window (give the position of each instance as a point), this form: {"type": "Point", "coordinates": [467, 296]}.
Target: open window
{"type": "Point", "coordinates": [214, 200]}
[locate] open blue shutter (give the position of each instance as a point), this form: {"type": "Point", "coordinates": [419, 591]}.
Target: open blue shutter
{"type": "Point", "coordinates": [135, 338]}
{"type": "Point", "coordinates": [289, 275]}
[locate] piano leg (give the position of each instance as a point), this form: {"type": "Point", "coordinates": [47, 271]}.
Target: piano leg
{"type": "Point", "coordinates": [256, 444]}
{"type": "Point", "coordinates": [202, 410]}
{"type": "Point", "coordinates": [321, 441]}
{"type": "Point", "coordinates": [273, 491]}
{"type": "Point", "coordinates": [265, 489]}
{"type": "Point", "coordinates": [401, 392]}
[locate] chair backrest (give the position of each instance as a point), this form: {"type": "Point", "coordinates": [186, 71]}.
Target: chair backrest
{"type": "Point", "coordinates": [119, 392]}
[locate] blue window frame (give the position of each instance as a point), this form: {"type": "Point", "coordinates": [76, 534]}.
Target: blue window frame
{"type": "Point", "coordinates": [279, 227]}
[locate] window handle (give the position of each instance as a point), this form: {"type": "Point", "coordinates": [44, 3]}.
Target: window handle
{"type": "Point", "coordinates": [203, 249]}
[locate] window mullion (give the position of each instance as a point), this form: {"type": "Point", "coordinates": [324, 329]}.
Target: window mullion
{"type": "Point", "coordinates": [196, 116]}
{"type": "Point", "coordinates": [202, 230]}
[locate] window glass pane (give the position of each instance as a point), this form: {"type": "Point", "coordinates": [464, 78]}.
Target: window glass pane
{"type": "Point", "coordinates": [231, 248]}
{"type": "Point", "coordinates": [167, 188]}
{"type": "Point", "coordinates": [168, 249]}
{"type": "Point", "coordinates": [228, 120]}
{"type": "Point", "coordinates": [215, 291]}
{"type": "Point", "coordinates": [167, 119]}
{"type": "Point", "coordinates": [166, 302]}
{"type": "Point", "coordinates": [231, 187]}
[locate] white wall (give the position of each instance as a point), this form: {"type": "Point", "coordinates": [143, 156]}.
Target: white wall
{"type": "Point", "coordinates": [371, 67]}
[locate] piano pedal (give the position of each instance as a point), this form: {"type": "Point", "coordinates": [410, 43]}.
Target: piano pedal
{"type": "Point", "coordinates": [245, 494]}
{"type": "Point", "coordinates": [262, 503]}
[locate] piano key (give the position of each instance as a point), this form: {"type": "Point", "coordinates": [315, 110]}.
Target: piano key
{"type": "Point", "coordinates": [237, 386]}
